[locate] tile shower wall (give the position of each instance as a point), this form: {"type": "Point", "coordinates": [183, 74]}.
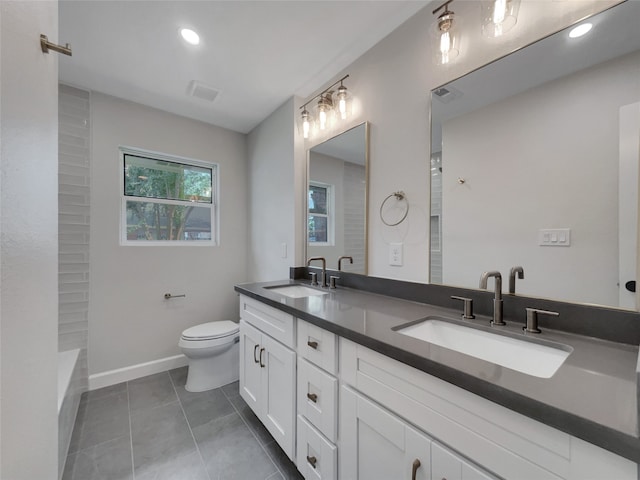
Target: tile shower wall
{"type": "Point", "coordinates": [73, 222]}
{"type": "Point", "coordinates": [436, 218]}
{"type": "Point", "coordinates": [354, 215]}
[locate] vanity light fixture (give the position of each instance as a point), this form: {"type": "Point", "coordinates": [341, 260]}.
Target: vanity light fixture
{"type": "Point", "coordinates": [580, 30]}
{"type": "Point", "coordinates": [446, 35]}
{"type": "Point", "coordinates": [190, 36]}
{"type": "Point", "coordinates": [326, 108]}
{"type": "Point", "coordinates": [499, 16]}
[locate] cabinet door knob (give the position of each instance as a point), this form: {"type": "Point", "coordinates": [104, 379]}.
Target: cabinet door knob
{"type": "Point", "coordinates": [312, 461]}
{"type": "Point", "coordinates": [414, 468]}
{"type": "Point", "coordinates": [255, 351]}
{"type": "Point", "coordinates": [312, 344]}
{"type": "Point", "coordinates": [261, 352]}
{"type": "Point", "coordinates": [313, 397]}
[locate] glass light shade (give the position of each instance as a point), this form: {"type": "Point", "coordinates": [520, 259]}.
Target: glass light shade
{"type": "Point", "coordinates": [499, 16]}
{"type": "Point", "coordinates": [324, 111]}
{"type": "Point", "coordinates": [445, 35]}
{"type": "Point", "coordinates": [305, 123]}
{"type": "Point", "coordinates": [343, 100]}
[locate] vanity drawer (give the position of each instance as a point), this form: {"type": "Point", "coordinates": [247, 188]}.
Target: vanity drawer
{"type": "Point", "coordinates": [318, 346]}
{"type": "Point", "coordinates": [317, 457]}
{"type": "Point", "coordinates": [275, 323]}
{"type": "Point", "coordinates": [318, 398]}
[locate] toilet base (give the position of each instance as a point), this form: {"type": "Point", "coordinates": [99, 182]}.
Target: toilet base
{"type": "Point", "coordinates": [215, 371]}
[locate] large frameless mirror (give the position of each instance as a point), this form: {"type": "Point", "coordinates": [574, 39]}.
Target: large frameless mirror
{"type": "Point", "coordinates": [534, 163]}
{"type": "Point", "coordinates": [337, 173]}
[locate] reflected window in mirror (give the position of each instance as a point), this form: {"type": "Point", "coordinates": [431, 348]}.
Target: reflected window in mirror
{"type": "Point", "coordinates": [320, 219]}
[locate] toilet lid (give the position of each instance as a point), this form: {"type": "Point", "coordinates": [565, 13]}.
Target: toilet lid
{"type": "Point", "coordinates": [207, 331]}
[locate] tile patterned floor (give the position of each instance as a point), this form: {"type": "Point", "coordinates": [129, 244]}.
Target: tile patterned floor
{"type": "Point", "coordinates": [151, 428]}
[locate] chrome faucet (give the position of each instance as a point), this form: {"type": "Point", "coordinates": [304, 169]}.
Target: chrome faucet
{"type": "Point", "coordinates": [497, 301]}
{"type": "Point", "coordinates": [323, 280]}
{"type": "Point", "coordinates": [512, 278]}
{"type": "Point", "coordinates": [344, 258]}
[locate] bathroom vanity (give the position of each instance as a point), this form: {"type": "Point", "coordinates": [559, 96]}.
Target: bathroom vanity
{"type": "Point", "coordinates": [347, 394]}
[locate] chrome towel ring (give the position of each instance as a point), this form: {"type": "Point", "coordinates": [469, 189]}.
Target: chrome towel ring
{"type": "Point", "coordinates": [400, 196]}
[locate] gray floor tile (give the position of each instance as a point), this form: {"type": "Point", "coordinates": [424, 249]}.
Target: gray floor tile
{"type": "Point", "coordinates": [179, 376]}
{"type": "Point", "coordinates": [160, 435]}
{"type": "Point", "coordinates": [284, 464]}
{"type": "Point", "coordinates": [255, 425]}
{"type": "Point", "coordinates": [185, 467]}
{"type": "Point", "coordinates": [107, 461]}
{"type": "Point", "coordinates": [276, 476]}
{"type": "Point", "coordinates": [151, 391]}
{"type": "Point", "coordinates": [203, 407]}
{"type": "Point", "coordinates": [100, 418]}
{"type": "Point", "coordinates": [230, 451]}
{"type": "Point", "coordinates": [232, 389]}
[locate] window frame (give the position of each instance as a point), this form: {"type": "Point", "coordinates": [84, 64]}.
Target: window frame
{"type": "Point", "coordinates": [330, 215]}
{"type": "Point", "coordinates": [213, 206]}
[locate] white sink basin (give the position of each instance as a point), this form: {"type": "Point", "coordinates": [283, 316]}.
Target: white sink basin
{"type": "Point", "coordinates": [520, 355]}
{"type": "Point", "coordinates": [297, 291]}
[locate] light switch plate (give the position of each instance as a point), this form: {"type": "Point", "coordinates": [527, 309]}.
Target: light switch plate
{"type": "Point", "coordinates": [554, 237]}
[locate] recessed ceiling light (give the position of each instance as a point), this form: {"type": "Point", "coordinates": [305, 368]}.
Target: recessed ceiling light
{"type": "Point", "coordinates": [580, 30]}
{"type": "Point", "coordinates": [190, 36]}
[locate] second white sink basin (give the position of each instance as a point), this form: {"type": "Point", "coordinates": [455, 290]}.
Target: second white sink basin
{"type": "Point", "coordinates": [297, 291]}
{"type": "Point", "coordinates": [523, 356]}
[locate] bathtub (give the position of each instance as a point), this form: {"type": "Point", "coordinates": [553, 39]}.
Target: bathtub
{"type": "Point", "coordinates": [71, 383]}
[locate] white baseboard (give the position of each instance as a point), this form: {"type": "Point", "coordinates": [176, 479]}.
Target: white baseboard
{"type": "Point", "coordinates": [112, 377]}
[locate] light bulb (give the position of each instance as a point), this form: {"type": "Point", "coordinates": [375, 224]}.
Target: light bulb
{"type": "Point", "coordinates": [342, 102]}
{"type": "Point", "coordinates": [306, 125]}
{"type": "Point", "coordinates": [322, 118]}
{"type": "Point", "coordinates": [499, 11]}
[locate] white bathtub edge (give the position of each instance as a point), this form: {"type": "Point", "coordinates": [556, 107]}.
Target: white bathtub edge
{"type": "Point", "coordinates": [119, 375]}
{"type": "Point", "coordinates": [66, 364]}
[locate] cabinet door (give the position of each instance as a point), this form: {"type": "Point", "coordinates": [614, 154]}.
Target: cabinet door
{"type": "Point", "coordinates": [384, 446]}
{"type": "Point", "coordinates": [278, 389]}
{"type": "Point", "coordinates": [250, 371]}
{"type": "Point", "coordinates": [444, 464]}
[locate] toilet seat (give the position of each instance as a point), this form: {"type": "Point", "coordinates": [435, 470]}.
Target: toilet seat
{"type": "Point", "coordinates": [210, 331]}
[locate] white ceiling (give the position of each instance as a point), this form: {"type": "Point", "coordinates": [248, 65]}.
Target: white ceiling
{"type": "Point", "coordinates": [256, 53]}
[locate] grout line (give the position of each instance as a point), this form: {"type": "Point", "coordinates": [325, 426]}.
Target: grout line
{"type": "Point", "coordinates": [254, 434]}
{"type": "Point", "coordinates": [133, 467]}
{"type": "Point", "coordinates": [204, 465]}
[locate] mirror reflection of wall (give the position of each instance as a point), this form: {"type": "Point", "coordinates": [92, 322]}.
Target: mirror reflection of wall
{"type": "Point", "coordinates": [336, 221]}
{"type": "Point", "coordinates": [545, 155]}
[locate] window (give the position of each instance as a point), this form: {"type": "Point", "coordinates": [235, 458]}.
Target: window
{"type": "Point", "coordinates": [167, 200]}
{"type": "Point", "coordinates": [320, 220]}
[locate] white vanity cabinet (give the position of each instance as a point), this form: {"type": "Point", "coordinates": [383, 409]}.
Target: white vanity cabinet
{"type": "Point", "coordinates": [268, 370]}
{"type": "Point", "coordinates": [317, 402]}
{"type": "Point", "coordinates": [504, 442]}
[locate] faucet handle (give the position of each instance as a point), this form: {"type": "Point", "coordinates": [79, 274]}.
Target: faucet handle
{"type": "Point", "coordinates": [332, 281]}
{"type": "Point", "coordinates": [467, 308]}
{"type": "Point", "coordinates": [532, 319]}
{"type": "Point", "coordinates": [314, 279]}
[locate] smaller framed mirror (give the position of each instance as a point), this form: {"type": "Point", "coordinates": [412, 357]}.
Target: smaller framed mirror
{"type": "Point", "coordinates": [336, 203]}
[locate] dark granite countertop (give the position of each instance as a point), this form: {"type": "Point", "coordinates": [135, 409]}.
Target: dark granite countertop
{"type": "Point", "coordinates": [593, 395]}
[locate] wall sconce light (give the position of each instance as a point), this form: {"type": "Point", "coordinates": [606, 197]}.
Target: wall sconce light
{"type": "Point", "coordinates": [326, 109]}
{"type": "Point", "coordinates": [499, 16]}
{"type": "Point", "coordinates": [446, 35]}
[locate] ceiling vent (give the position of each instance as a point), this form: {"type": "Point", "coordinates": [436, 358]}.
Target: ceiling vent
{"type": "Point", "coordinates": [446, 94]}
{"type": "Point", "coordinates": [202, 91]}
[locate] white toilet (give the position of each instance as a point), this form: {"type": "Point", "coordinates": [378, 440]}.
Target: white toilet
{"type": "Point", "coordinates": [214, 354]}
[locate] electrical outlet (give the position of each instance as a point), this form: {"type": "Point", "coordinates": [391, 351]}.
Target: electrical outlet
{"type": "Point", "coordinates": [395, 254]}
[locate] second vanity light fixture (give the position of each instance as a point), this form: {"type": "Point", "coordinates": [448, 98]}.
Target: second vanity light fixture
{"type": "Point", "coordinates": [327, 108]}
{"type": "Point", "coordinates": [499, 16]}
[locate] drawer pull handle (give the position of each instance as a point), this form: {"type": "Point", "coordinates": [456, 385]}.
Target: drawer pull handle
{"type": "Point", "coordinates": [255, 351]}
{"type": "Point", "coordinates": [312, 344]}
{"type": "Point", "coordinates": [261, 352]}
{"type": "Point", "coordinates": [313, 397]}
{"type": "Point", "coordinates": [312, 461]}
{"type": "Point", "coordinates": [414, 468]}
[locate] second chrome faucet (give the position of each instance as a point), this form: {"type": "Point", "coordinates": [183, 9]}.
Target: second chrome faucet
{"type": "Point", "coordinates": [497, 300]}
